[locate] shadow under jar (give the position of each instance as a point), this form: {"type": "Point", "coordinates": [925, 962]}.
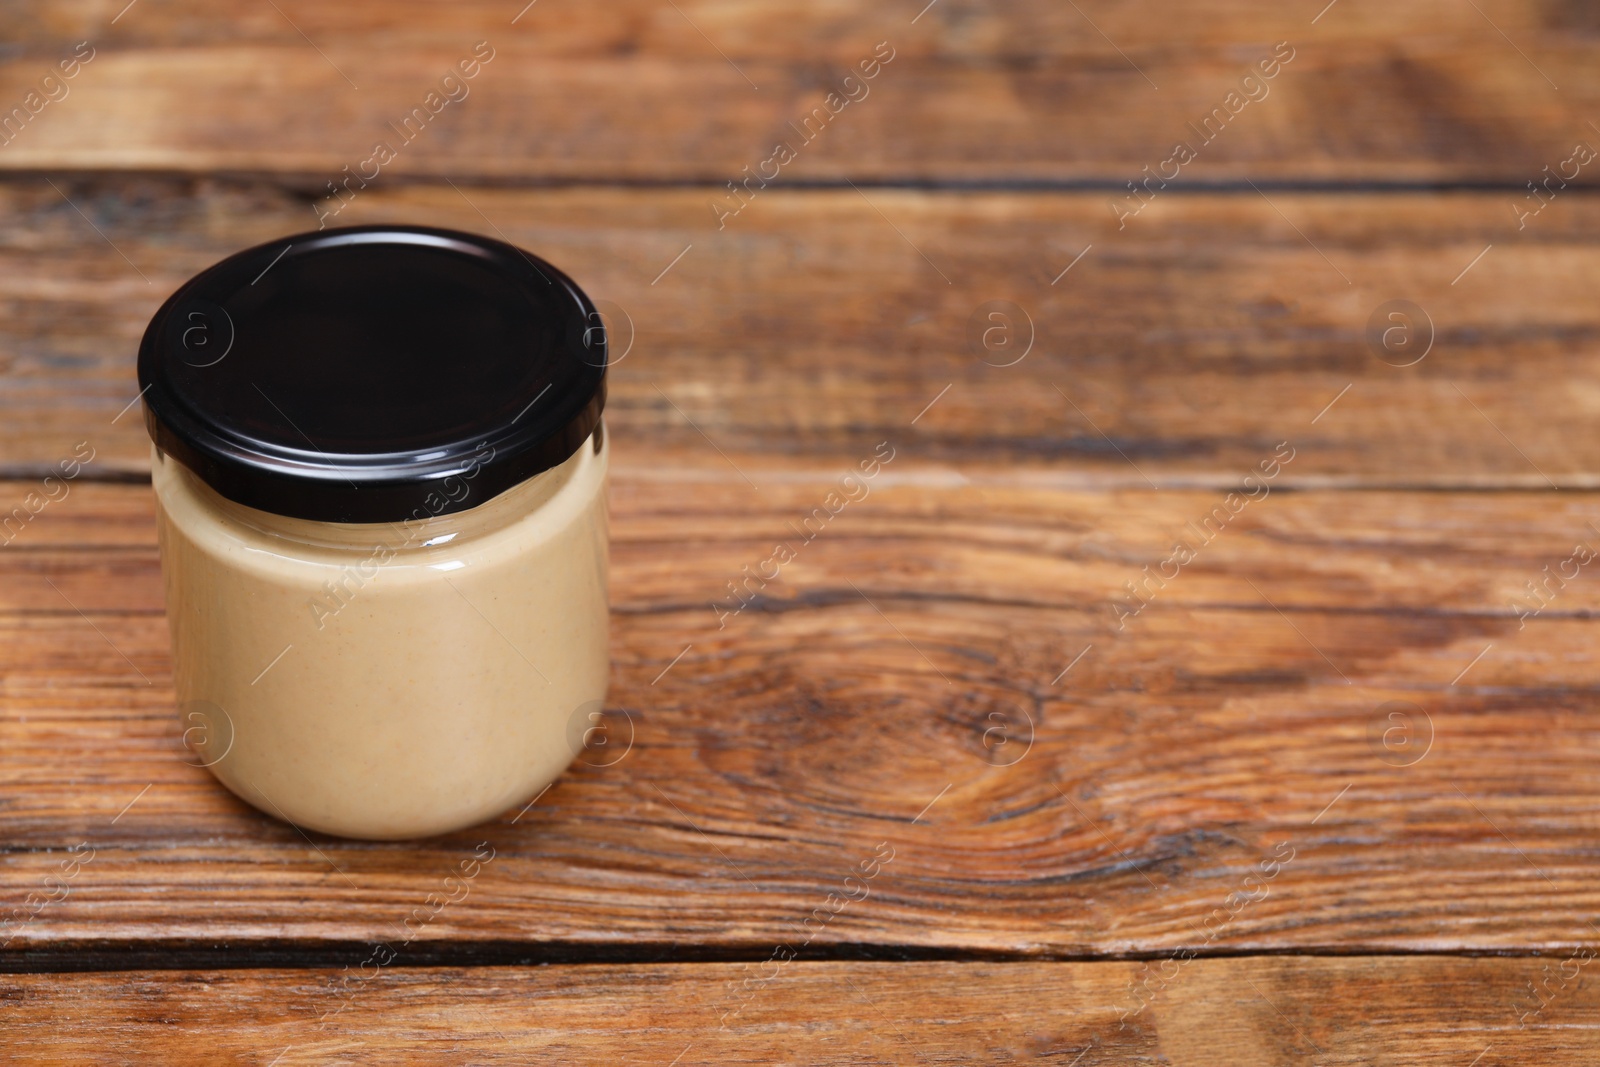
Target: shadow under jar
{"type": "Point", "coordinates": [380, 470]}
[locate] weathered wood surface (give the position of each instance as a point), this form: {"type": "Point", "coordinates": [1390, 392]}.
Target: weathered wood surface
{"type": "Point", "coordinates": [885, 692]}
{"type": "Point", "coordinates": [1180, 350]}
{"type": "Point", "coordinates": [1329, 737]}
{"type": "Point", "coordinates": [694, 91]}
{"type": "Point", "coordinates": [1252, 1012]}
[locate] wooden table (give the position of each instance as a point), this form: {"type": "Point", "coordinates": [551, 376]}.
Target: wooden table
{"type": "Point", "coordinates": [930, 796]}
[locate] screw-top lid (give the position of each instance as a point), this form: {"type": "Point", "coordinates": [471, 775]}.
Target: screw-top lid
{"type": "Point", "coordinates": [344, 375]}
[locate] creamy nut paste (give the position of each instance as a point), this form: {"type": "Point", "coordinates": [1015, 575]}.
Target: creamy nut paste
{"type": "Point", "coordinates": [423, 676]}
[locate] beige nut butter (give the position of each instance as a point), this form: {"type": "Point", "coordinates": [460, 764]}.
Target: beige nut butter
{"type": "Point", "coordinates": [380, 483]}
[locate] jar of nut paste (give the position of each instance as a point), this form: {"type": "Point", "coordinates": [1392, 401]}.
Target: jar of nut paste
{"type": "Point", "coordinates": [379, 471]}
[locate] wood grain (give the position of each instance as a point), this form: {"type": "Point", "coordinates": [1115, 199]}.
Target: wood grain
{"type": "Point", "coordinates": [1260, 1012]}
{"type": "Point", "coordinates": [1179, 351]}
{"type": "Point", "coordinates": [1428, 92]}
{"type": "Point", "coordinates": [1333, 757]}
{"type": "Point", "coordinates": [885, 693]}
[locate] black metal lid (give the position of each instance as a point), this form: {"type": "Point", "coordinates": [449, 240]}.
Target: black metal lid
{"type": "Point", "coordinates": [346, 375]}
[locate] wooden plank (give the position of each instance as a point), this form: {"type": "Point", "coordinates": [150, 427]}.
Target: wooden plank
{"type": "Point", "coordinates": [883, 695]}
{"type": "Point", "coordinates": [1179, 350]}
{"type": "Point", "coordinates": [1426, 92]}
{"type": "Point", "coordinates": [1252, 1012]}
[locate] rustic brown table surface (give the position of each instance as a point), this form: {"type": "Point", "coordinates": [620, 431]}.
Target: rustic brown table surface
{"type": "Point", "coordinates": [929, 796]}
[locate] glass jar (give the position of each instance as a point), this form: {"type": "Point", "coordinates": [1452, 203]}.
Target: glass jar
{"type": "Point", "coordinates": [380, 474]}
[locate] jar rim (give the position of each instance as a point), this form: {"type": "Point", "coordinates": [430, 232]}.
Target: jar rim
{"type": "Point", "coordinates": [479, 518]}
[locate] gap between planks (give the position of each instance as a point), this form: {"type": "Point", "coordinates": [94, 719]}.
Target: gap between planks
{"type": "Point", "coordinates": [122, 956]}
{"type": "Point", "coordinates": [1247, 185]}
